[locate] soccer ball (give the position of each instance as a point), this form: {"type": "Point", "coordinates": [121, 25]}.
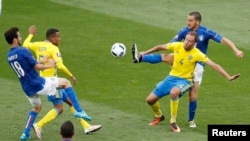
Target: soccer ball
{"type": "Point", "coordinates": [118, 50]}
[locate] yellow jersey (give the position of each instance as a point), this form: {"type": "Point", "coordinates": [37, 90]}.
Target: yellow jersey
{"type": "Point", "coordinates": [46, 48]}
{"type": "Point", "coordinates": [185, 61]}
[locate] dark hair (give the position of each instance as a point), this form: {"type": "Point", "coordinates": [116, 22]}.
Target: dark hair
{"type": "Point", "coordinates": [193, 33]}
{"type": "Point", "coordinates": [50, 32]}
{"type": "Point", "coordinates": [67, 129]}
{"type": "Point", "coordinates": [11, 34]}
{"type": "Point", "coordinates": [196, 14]}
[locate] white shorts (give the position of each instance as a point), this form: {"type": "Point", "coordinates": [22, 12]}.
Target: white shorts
{"type": "Point", "coordinates": [198, 73]}
{"type": "Point", "coordinates": [50, 87]}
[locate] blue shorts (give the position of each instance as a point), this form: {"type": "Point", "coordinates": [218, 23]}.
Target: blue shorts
{"type": "Point", "coordinates": [164, 87]}
{"type": "Point", "coordinates": [59, 97]}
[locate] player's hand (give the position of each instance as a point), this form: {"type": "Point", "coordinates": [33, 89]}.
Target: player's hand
{"type": "Point", "coordinates": [234, 77]}
{"type": "Point", "coordinates": [32, 29]}
{"type": "Point", "coordinates": [44, 59]}
{"type": "Point", "coordinates": [239, 54]}
{"type": "Point", "coordinates": [51, 63]}
{"type": "Point", "coordinates": [73, 79]}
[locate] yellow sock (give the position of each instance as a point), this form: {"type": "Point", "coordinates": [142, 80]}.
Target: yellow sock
{"type": "Point", "coordinates": [173, 108]}
{"type": "Point", "coordinates": [52, 114]}
{"type": "Point", "coordinates": [83, 123]}
{"type": "Point", "coordinates": [156, 109]}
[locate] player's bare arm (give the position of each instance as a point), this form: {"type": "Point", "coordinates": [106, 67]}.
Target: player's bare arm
{"type": "Point", "coordinates": [230, 44]}
{"type": "Point", "coordinates": [73, 78]}
{"type": "Point", "coordinates": [154, 49]}
{"type": "Point", "coordinates": [219, 69]}
{"type": "Point", "coordinates": [44, 59]}
{"type": "Point", "coordinates": [50, 63]}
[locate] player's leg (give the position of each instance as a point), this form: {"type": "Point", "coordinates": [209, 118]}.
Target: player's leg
{"type": "Point", "coordinates": [180, 87]}
{"type": "Point", "coordinates": [174, 104]}
{"type": "Point", "coordinates": [192, 104]}
{"type": "Point", "coordinates": [88, 128]}
{"type": "Point", "coordinates": [64, 83]}
{"type": "Point", "coordinates": [51, 115]}
{"type": "Point", "coordinates": [193, 93]}
{"type": "Point", "coordinates": [160, 91]}
{"type": "Point", "coordinates": [151, 58]}
{"type": "Point", "coordinates": [37, 107]}
{"type": "Point", "coordinates": [153, 102]}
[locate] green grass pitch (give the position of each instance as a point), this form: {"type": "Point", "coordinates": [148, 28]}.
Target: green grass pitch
{"type": "Point", "coordinates": [113, 90]}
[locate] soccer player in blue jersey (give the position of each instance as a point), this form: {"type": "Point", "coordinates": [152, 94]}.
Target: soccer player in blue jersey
{"type": "Point", "coordinates": [180, 78]}
{"type": "Point", "coordinates": [25, 65]}
{"type": "Point", "coordinates": [204, 35]}
{"type": "Point", "coordinates": [50, 48]}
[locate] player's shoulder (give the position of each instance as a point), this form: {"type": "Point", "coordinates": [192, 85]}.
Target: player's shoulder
{"type": "Point", "coordinates": [204, 29]}
{"type": "Point", "coordinates": [50, 46]}
{"type": "Point", "coordinates": [184, 29]}
{"type": "Point", "coordinates": [23, 49]}
{"type": "Point", "coordinates": [177, 43]}
{"type": "Point", "coordinates": [197, 51]}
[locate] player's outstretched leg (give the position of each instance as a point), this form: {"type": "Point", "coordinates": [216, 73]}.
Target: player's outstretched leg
{"type": "Point", "coordinates": [149, 58]}
{"type": "Point", "coordinates": [135, 53]}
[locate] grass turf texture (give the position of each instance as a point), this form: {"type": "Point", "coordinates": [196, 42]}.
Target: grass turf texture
{"type": "Point", "coordinates": [112, 90]}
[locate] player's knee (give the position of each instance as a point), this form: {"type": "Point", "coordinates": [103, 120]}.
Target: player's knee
{"type": "Point", "coordinates": [150, 101]}
{"type": "Point", "coordinates": [38, 108]}
{"type": "Point", "coordinates": [175, 93]}
{"type": "Point", "coordinates": [192, 96]}
{"type": "Point", "coordinates": [65, 82]}
{"type": "Point", "coordinates": [59, 108]}
{"type": "Point", "coordinates": [192, 99]}
{"type": "Point", "coordinates": [168, 58]}
{"type": "Point", "coordinates": [60, 111]}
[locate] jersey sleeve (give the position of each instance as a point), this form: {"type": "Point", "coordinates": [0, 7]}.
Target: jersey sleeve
{"type": "Point", "coordinates": [202, 57]}
{"type": "Point", "coordinates": [56, 55]}
{"type": "Point", "coordinates": [173, 46]}
{"type": "Point", "coordinates": [28, 44]}
{"type": "Point", "coordinates": [64, 69]}
{"type": "Point", "coordinates": [29, 57]}
{"type": "Point", "coordinates": [59, 62]}
{"type": "Point", "coordinates": [214, 36]}
{"type": "Point", "coordinates": [180, 35]}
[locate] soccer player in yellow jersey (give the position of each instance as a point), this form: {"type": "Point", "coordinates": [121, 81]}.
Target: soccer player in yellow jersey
{"type": "Point", "coordinates": [205, 34]}
{"type": "Point", "coordinates": [180, 78]}
{"type": "Point", "coordinates": [49, 48]}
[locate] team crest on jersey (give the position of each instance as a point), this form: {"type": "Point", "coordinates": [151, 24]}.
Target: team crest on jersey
{"type": "Point", "coordinates": [58, 54]}
{"type": "Point", "coordinates": [190, 57]}
{"type": "Point", "coordinates": [201, 38]}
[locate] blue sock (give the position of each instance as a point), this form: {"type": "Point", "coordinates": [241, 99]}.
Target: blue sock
{"type": "Point", "coordinates": [192, 110]}
{"type": "Point", "coordinates": [72, 96]}
{"type": "Point", "coordinates": [31, 119]}
{"type": "Point", "coordinates": [152, 58]}
{"type": "Point", "coordinates": [63, 94]}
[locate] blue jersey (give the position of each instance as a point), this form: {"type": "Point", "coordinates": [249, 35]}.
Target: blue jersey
{"type": "Point", "coordinates": [22, 62]}
{"type": "Point", "coordinates": [204, 35]}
